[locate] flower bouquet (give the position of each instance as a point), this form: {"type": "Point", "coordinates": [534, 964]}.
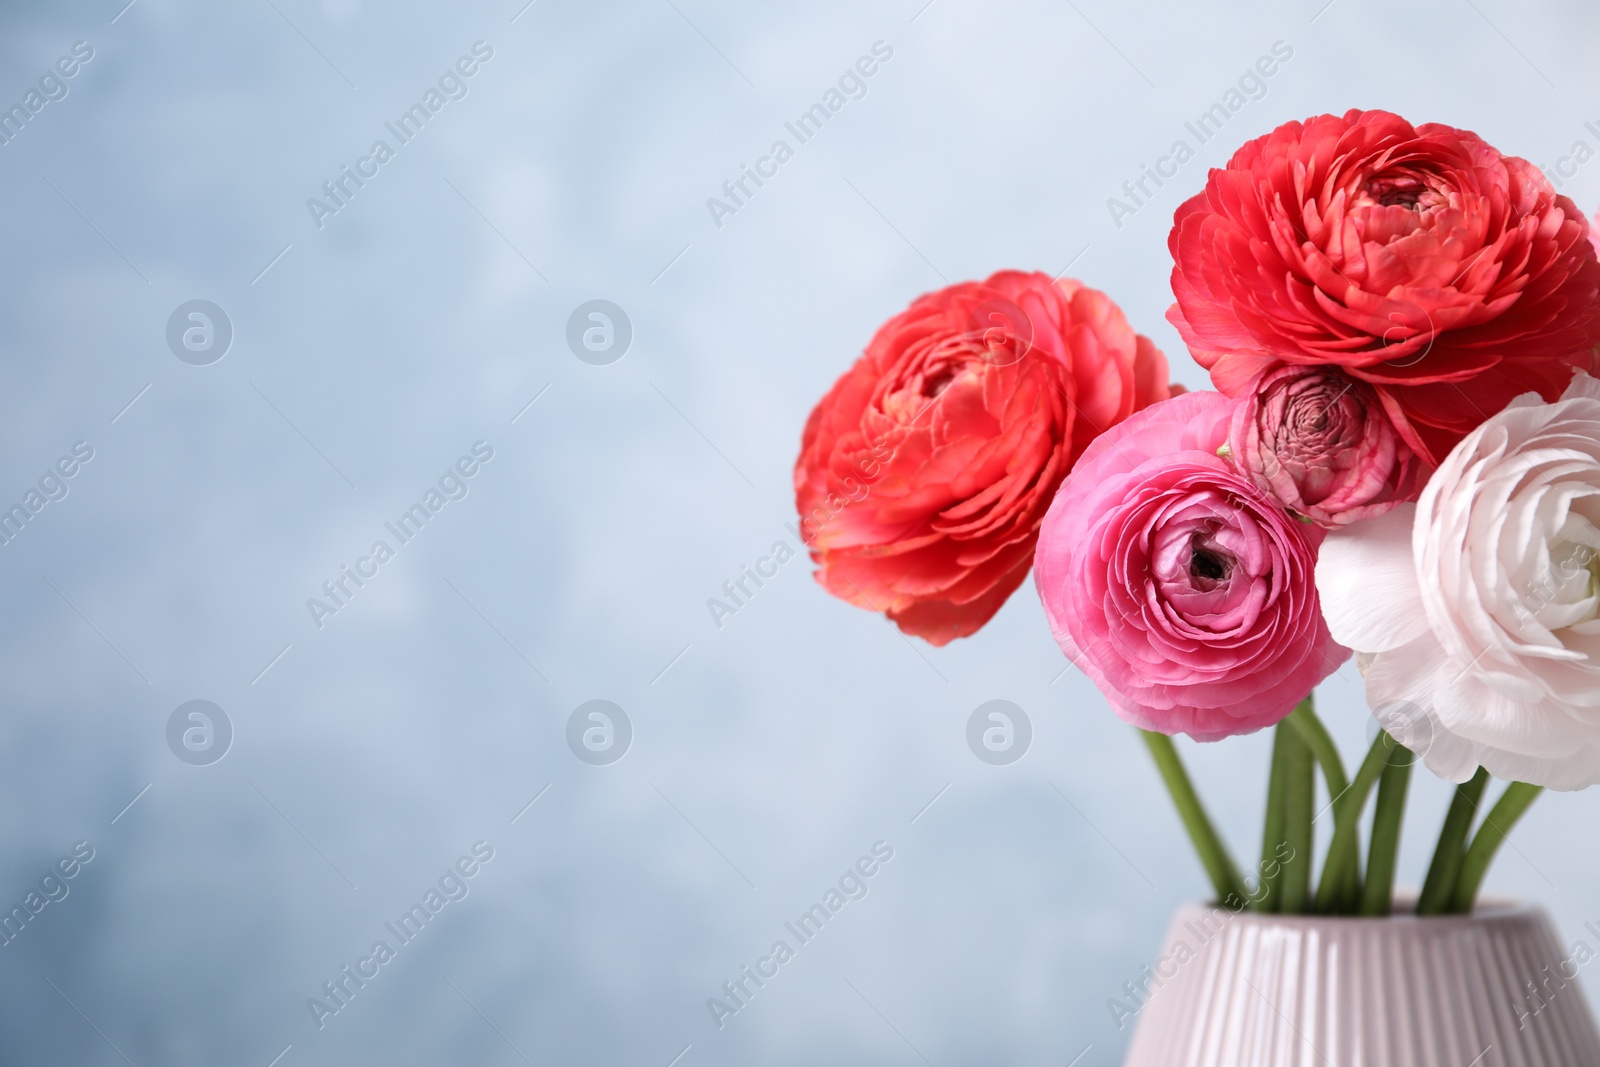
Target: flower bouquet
{"type": "Point", "coordinates": [1401, 460]}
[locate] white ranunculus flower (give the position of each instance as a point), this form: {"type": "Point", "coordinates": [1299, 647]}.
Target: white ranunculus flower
{"type": "Point", "coordinates": [1479, 606]}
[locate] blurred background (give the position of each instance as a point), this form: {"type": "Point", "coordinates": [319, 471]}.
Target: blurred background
{"type": "Point", "coordinates": [345, 358]}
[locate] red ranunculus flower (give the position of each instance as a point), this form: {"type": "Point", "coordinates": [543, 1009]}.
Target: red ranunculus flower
{"type": "Point", "coordinates": [926, 470]}
{"type": "Point", "coordinates": [1421, 260]}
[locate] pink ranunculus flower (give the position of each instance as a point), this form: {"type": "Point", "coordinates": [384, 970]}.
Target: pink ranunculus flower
{"type": "Point", "coordinates": [1477, 610]}
{"type": "Point", "coordinates": [1320, 442]}
{"type": "Point", "coordinates": [1182, 590]}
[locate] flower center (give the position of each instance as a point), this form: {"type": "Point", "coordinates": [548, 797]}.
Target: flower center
{"type": "Point", "coordinates": [1207, 565]}
{"type": "Point", "coordinates": [1399, 191]}
{"type": "Point", "coordinates": [1310, 415]}
{"type": "Point", "coordinates": [1577, 566]}
{"type": "Point", "coordinates": [1564, 591]}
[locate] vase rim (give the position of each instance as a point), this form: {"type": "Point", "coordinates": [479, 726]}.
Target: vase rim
{"type": "Point", "coordinates": [1489, 909]}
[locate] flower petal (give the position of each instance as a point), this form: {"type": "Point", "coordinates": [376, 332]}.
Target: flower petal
{"type": "Point", "coordinates": [1367, 578]}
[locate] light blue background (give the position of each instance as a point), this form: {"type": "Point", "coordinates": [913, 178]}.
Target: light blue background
{"type": "Point", "coordinates": [422, 717]}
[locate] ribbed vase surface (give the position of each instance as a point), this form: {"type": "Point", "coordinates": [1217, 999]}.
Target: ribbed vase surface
{"type": "Point", "coordinates": [1493, 989]}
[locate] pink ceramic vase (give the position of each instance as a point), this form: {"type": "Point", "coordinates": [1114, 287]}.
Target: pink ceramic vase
{"type": "Point", "coordinates": [1491, 989]}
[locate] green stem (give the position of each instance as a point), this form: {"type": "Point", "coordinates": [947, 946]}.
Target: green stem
{"type": "Point", "coordinates": [1439, 888]}
{"type": "Point", "coordinates": [1343, 869]}
{"type": "Point", "coordinates": [1271, 869]}
{"type": "Point", "coordinates": [1496, 825]}
{"type": "Point", "coordinates": [1213, 853]}
{"type": "Point", "coordinates": [1299, 803]}
{"type": "Point", "coordinates": [1304, 719]}
{"type": "Point", "coordinates": [1377, 892]}
{"type": "Point", "coordinates": [1315, 735]}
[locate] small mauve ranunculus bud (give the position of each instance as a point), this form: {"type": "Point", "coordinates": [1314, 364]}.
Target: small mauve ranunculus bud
{"type": "Point", "coordinates": [1321, 443]}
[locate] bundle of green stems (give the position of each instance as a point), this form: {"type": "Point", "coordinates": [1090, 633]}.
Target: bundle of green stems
{"type": "Point", "coordinates": [1346, 885]}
